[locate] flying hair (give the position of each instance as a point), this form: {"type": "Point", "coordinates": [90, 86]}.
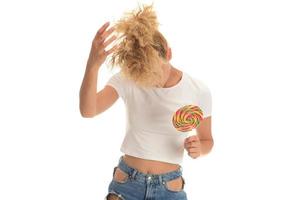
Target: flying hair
{"type": "Point", "coordinates": [142, 48]}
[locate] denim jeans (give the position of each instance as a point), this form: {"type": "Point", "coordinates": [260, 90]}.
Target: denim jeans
{"type": "Point", "coordinates": [141, 186]}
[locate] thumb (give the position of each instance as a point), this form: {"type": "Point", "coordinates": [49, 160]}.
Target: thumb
{"type": "Point", "coordinates": [185, 141]}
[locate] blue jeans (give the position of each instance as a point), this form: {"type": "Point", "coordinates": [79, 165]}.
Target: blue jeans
{"type": "Point", "coordinates": [140, 186]}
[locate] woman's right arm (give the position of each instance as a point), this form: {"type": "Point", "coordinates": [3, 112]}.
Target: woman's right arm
{"type": "Point", "coordinates": [91, 102]}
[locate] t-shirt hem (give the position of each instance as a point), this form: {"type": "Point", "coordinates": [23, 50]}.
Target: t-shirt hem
{"type": "Point", "coordinates": [149, 157]}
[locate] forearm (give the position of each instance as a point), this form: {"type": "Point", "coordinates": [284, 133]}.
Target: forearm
{"type": "Point", "coordinates": [206, 146]}
{"type": "Point", "coordinates": [88, 91]}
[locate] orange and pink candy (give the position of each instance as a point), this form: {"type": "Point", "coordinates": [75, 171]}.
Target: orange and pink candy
{"type": "Point", "coordinates": [187, 118]}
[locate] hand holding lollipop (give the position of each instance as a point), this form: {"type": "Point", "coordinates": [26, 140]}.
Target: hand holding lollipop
{"type": "Point", "coordinates": [186, 119]}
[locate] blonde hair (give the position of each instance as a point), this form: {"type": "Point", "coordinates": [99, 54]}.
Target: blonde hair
{"type": "Point", "coordinates": [142, 49]}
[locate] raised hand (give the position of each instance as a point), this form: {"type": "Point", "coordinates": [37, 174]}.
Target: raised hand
{"type": "Point", "coordinates": [98, 53]}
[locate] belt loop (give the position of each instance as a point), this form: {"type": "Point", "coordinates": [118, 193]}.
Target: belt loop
{"type": "Point", "coordinates": [180, 168]}
{"type": "Point", "coordinates": [160, 179]}
{"type": "Point", "coordinates": [133, 173]}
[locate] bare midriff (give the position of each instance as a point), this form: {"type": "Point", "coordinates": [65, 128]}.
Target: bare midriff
{"type": "Point", "coordinates": [149, 166]}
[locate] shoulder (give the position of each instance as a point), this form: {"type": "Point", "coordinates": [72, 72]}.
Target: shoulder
{"type": "Point", "coordinates": [203, 94]}
{"type": "Point", "coordinates": [118, 77]}
{"type": "Point", "coordinates": [197, 84]}
{"type": "Point", "coordinates": [119, 80]}
{"type": "Point", "coordinates": [119, 83]}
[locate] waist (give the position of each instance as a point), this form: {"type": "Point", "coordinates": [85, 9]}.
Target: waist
{"type": "Point", "coordinates": [149, 166]}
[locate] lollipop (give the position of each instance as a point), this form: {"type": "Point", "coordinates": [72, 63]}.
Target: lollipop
{"type": "Point", "coordinates": [187, 118]}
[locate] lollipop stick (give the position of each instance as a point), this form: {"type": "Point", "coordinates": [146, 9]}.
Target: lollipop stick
{"type": "Point", "coordinates": [192, 132]}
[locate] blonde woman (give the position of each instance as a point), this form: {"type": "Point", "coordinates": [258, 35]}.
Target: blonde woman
{"type": "Point", "coordinates": [152, 90]}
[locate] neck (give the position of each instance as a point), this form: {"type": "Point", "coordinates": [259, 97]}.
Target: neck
{"type": "Point", "coordinates": [170, 74]}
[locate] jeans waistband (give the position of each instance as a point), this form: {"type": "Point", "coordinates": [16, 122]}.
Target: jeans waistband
{"type": "Point", "coordinates": [142, 177]}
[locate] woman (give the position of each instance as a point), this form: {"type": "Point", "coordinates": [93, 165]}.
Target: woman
{"type": "Point", "coordinates": [152, 89]}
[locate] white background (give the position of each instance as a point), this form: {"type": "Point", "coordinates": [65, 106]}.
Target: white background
{"type": "Point", "coordinates": [247, 52]}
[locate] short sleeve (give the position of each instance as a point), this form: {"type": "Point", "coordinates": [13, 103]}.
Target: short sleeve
{"type": "Point", "coordinates": [205, 99]}
{"type": "Point", "coordinates": [117, 82]}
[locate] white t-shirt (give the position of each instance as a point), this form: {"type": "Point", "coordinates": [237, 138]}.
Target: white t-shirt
{"type": "Point", "coordinates": [150, 133]}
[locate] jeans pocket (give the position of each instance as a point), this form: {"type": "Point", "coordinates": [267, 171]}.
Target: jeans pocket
{"type": "Point", "coordinates": [119, 176]}
{"type": "Point", "coordinates": [175, 185]}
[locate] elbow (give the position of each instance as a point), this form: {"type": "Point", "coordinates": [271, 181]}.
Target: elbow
{"type": "Point", "coordinates": [211, 146]}
{"type": "Point", "coordinates": [86, 114]}
{"type": "Point", "coordinates": [86, 111]}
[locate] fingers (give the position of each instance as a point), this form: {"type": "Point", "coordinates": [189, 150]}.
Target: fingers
{"type": "Point", "coordinates": [108, 32]}
{"type": "Point", "coordinates": [106, 43]}
{"type": "Point", "coordinates": [192, 138]}
{"type": "Point", "coordinates": [100, 38]}
{"type": "Point", "coordinates": [192, 144]}
{"type": "Point", "coordinates": [111, 50]}
{"type": "Point", "coordinates": [101, 30]}
{"type": "Point", "coordinates": [194, 155]}
{"type": "Point", "coordinates": [102, 33]}
{"type": "Point", "coordinates": [193, 150]}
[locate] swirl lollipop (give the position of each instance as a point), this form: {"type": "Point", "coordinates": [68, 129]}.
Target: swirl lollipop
{"type": "Point", "coordinates": [187, 118]}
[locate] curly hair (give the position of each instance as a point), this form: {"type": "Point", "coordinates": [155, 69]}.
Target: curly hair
{"type": "Point", "coordinates": [142, 49]}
